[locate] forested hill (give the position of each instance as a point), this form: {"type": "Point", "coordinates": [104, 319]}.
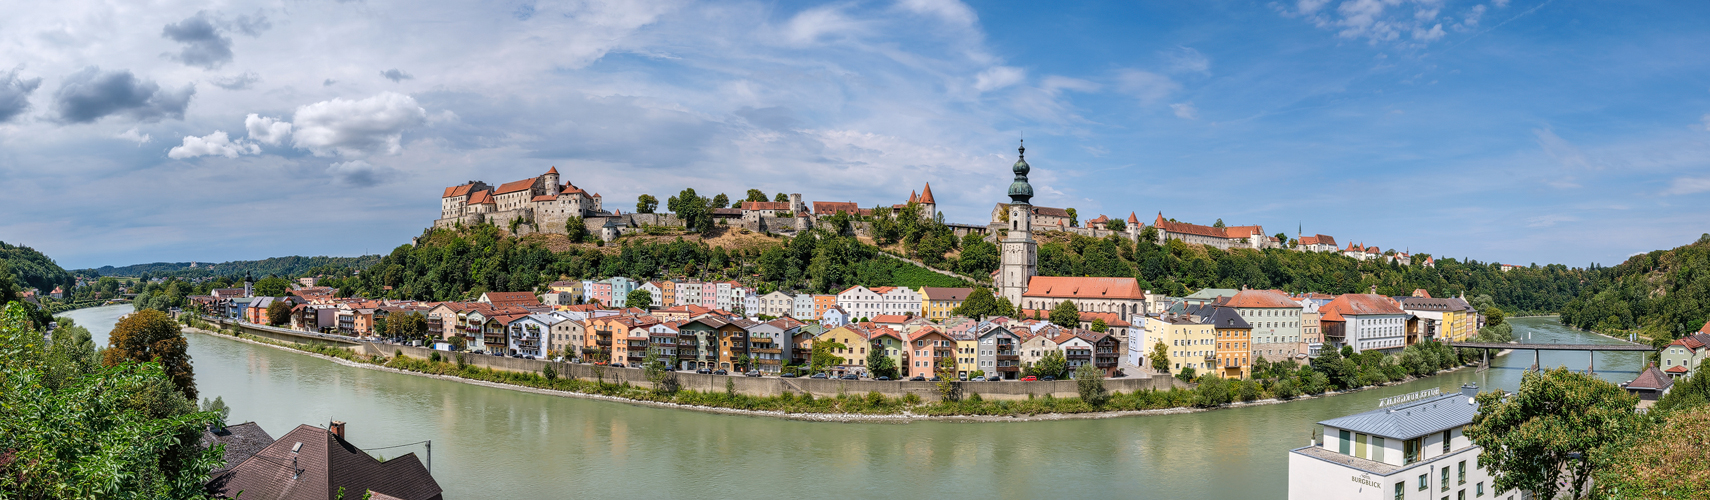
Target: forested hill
{"type": "Point", "coordinates": [1663, 294]}
{"type": "Point", "coordinates": [275, 266]}
{"type": "Point", "coordinates": [32, 269]}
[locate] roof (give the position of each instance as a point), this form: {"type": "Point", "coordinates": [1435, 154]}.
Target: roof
{"type": "Point", "coordinates": [1084, 288]}
{"type": "Point", "coordinates": [1110, 319]}
{"type": "Point", "coordinates": [1261, 299]}
{"type": "Point", "coordinates": [832, 207]}
{"type": "Point", "coordinates": [1411, 420]}
{"type": "Point", "coordinates": [1228, 319]}
{"type": "Point", "coordinates": [324, 463]}
{"type": "Point", "coordinates": [890, 318]}
{"type": "Point", "coordinates": [1355, 304]}
{"type": "Point", "coordinates": [765, 205]}
{"type": "Point", "coordinates": [926, 195]}
{"type": "Point", "coordinates": [458, 190]}
{"type": "Point", "coordinates": [937, 293]}
{"type": "Point", "coordinates": [729, 212]}
{"type": "Point", "coordinates": [1244, 231]}
{"type": "Point", "coordinates": [924, 331]}
{"type": "Point", "coordinates": [480, 197]}
{"type": "Point", "coordinates": [1428, 304]}
{"type": "Point", "coordinates": [1676, 369]}
{"type": "Point", "coordinates": [511, 298]}
{"type": "Point", "coordinates": [512, 187]}
{"type": "Point", "coordinates": [552, 170]}
{"type": "Point", "coordinates": [1185, 228]}
{"type": "Point", "coordinates": [1318, 240]}
{"type": "Point", "coordinates": [241, 440]}
{"type": "Point", "coordinates": [1052, 212]}
{"type": "Point", "coordinates": [1212, 293]}
{"type": "Point", "coordinates": [1651, 379]}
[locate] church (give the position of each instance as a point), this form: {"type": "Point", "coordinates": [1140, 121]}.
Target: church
{"type": "Point", "coordinates": [1016, 278]}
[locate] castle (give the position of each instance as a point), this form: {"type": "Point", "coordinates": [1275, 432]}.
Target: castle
{"type": "Point", "coordinates": [540, 202]}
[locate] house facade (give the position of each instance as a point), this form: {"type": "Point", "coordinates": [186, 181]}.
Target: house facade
{"type": "Point", "coordinates": [1409, 451]}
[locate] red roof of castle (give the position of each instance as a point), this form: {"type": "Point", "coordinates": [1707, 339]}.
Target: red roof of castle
{"type": "Point", "coordinates": [1185, 228]}
{"type": "Point", "coordinates": [832, 207]}
{"type": "Point", "coordinates": [1084, 288]}
{"type": "Point", "coordinates": [552, 170]}
{"type": "Point", "coordinates": [512, 187]}
{"type": "Point", "coordinates": [1317, 240]}
{"type": "Point", "coordinates": [1133, 220]}
{"type": "Point", "coordinates": [458, 190]}
{"type": "Point", "coordinates": [482, 196]}
{"type": "Point", "coordinates": [926, 194]}
{"type": "Point", "coordinates": [1360, 303]}
{"type": "Point", "coordinates": [765, 205]}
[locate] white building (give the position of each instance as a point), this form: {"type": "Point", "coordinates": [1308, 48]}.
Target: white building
{"type": "Point", "coordinates": [776, 304]}
{"type": "Point", "coordinates": [1364, 321]}
{"type": "Point", "coordinates": [863, 302]}
{"type": "Point", "coordinates": [1407, 451]}
{"type": "Point", "coordinates": [802, 308]}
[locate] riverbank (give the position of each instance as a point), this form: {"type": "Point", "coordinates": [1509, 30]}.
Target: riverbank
{"type": "Point", "coordinates": [870, 408]}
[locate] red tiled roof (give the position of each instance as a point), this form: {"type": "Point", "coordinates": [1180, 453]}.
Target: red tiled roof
{"type": "Point", "coordinates": [482, 196]}
{"type": "Point", "coordinates": [1100, 220]}
{"type": "Point", "coordinates": [1244, 231]}
{"type": "Point", "coordinates": [512, 187]}
{"type": "Point", "coordinates": [1132, 219]}
{"type": "Point", "coordinates": [545, 197]}
{"type": "Point", "coordinates": [1676, 369]}
{"type": "Point", "coordinates": [1185, 228]}
{"type": "Point", "coordinates": [1261, 299]}
{"type": "Point", "coordinates": [922, 332]}
{"type": "Point", "coordinates": [1651, 379]}
{"type": "Point", "coordinates": [1318, 240]}
{"type": "Point", "coordinates": [552, 170]}
{"type": "Point", "coordinates": [765, 205]}
{"type": "Point", "coordinates": [926, 195]}
{"type": "Point", "coordinates": [1359, 304]}
{"type": "Point", "coordinates": [937, 293]}
{"type": "Point", "coordinates": [458, 190]}
{"type": "Point", "coordinates": [1084, 288]}
{"type": "Point", "coordinates": [832, 207]}
{"type": "Point", "coordinates": [890, 318]}
{"type": "Point", "coordinates": [1110, 319]}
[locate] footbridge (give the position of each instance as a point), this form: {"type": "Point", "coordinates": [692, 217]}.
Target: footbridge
{"type": "Point", "coordinates": [1591, 350]}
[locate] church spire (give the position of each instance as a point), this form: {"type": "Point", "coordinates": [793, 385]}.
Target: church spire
{"type": "Point", "coordinates": [1020, 192]}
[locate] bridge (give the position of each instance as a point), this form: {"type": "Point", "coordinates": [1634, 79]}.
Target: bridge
{"type": "Point", "coordinates": [1591, 350]}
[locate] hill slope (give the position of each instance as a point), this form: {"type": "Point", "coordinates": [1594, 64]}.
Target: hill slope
{"type": "Point", "coordinates": [273, 266]}
{"type": "Point", "coordinates": [32, 269]}
{"type": "Point", "coordinates": [1663, 294]}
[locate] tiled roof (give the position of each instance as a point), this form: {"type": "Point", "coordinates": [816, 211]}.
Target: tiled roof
{"type": "Point", "coordinates": [924, 331]}
{"type": "Point", "coordinates": [937, 293]}
{"type": "Point", "coordinates": [832, 207]}
{"type": "Point", "coordinates": [512, 298]}
{"type": "Point", "coordinates": [1411, 420]}
{"type": "Point", "coordinates": [242, 441]}
{"type": "Point", "coordinates": [1227, 318]}
{"type": "Point", "coordinates": [765, 205]}
{"type": "Point", "coordinates": [1651, 379]}
{"type": "Point", "coordinates": [1676, 369]}
{"type": "Point", "coordinates": [1185, 228]}
{"type": "Point", "coordinates": [545, 197]}
{"type": "Point", "coordinates": [1110, 319]}
{"type": "Point", "coordinates": [324, 463]}
{"type": "Point", "coordinates": [1318, 240]}
{"type": "Point", "coordinates": [512, 187]}
{"type": "Point", "coordinates": [1133, 219]}
{"type": "Point", "coordinates": [1261, 299]}
{"type": "Point", "coordinates": [480, 197]}
{"type": "Point", "coordinates": [552, 170]}
{"type": "Point", "coordinates": [458, 190]}
{"type": "Point", "coordinates": [926, 195]}
{"type": "Point", "coordinates": [1244, 231]}
{"type": "Point", "coordinates": [890, 318]}
{"type": "Point", "coordinates": [1084, 288]}
{"type": "Point", "coordinates": [1354, 304]}
{"type": "Point", "coordinates": [1052, 212]}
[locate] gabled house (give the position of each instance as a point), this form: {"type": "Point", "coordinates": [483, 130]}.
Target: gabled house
{"type": "Point", "coordinates": [1679, 359]}
{"type": "Point", "coordinates": [928, 352]}
{"type": "Point", "coordinates": [998, 352]}
{"type": "Point", "coordinates": [319, 464]}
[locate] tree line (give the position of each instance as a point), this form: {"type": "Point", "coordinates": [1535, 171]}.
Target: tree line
{"type": "Point", "coordinates": [1663, 294]}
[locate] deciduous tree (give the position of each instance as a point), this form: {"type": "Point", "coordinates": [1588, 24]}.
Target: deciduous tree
{"type": "Point", "coordinates": [279, 313]}
{"type": "Point", "coordinates": [1066, 315]}
{"type": "Point", "coordinates": [721, 201]}
{"type": "Point", "coordinates": [879, 364]}
{"type": "Point", "coordinates": [1160, 357]}
{"type": "Point", "coordinates": [1090, 381]}
{"type": "Point", "coordinates": [646, 204]}
{"type": "Point", "coordinates": [639, 298]}
{"type": "Point", "coordinates": [755, 195]}
{"type": "Point", "coordinates": [1554, 433]}
{"type": "Point", "coordinates": [149, 336]}
{"type": "Point", "coordinates": [1052, 364]}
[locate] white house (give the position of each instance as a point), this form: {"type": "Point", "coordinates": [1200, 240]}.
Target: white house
{"type": "Point", "coordinates": [802, 307]}
{"type": "Point", "coordinates": [1364, 321]}
{"type": "Point", "coordinates": [1410, 450]}
{"type": "Point", "coordinates": [834, 317]}
{"type": "Point", "coordinates": [778, 304]}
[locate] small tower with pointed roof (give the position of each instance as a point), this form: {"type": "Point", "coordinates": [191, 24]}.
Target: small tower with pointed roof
{"type": "Point", "coordinates": [551, 181]}
{"type": "Point", "coordinates": [1018, 262]}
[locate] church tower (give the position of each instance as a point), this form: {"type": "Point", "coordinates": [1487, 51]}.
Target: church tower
{"type": "Point", "coordinates": [1020, 253]}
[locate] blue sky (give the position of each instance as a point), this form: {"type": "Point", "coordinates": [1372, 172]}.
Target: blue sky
{"type": "Point", "coordinates": [1513, 131]}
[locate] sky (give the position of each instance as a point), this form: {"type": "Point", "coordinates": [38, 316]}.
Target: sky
{"type": "Point", "coordinates": [1514, 131]}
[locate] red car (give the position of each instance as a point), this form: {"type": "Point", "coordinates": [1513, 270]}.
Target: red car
{"type": "Point", "coordinates": [1029, 378]}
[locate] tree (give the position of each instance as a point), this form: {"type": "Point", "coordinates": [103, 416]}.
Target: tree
{"type": "Point", "coordinates": [1003, 308]}
{"type": "Point", "coordinates": [755, 195]}
{"type": "Point", "coordinates": [1066, 315]}
{"type": "Point", "coordinates": [1556, 430]}
{"type": "Point", "coordinates": [879, 364]}
{"type": "Point", "coordinates": [1692, 392]}
{"type": "Point", "coordinates": [1667, 461]}
{"type": "Point", "coordinates": [692, 210]}
{"type": "Point", "coordinates": [122, 431]}
{"type": "Point", "coordinates": [664, 381]}
{"type": "Point", "coordinates": [1090, 381]}
{"type": "Point", "coordinates": [1074, 219]}
{"type": "Point", "coordinates": [1052, 364]}
{"type": "Point", "coordinates": [1098, 325]}
{"type": "Point", "coordinates": [1117, 225]}
{"type": "Point", "coordinates": [272, 286]}
{"type": "Point", "coordinates": [408, 326]}
{"type": "Point", "coordinates": [721, 201]}
{"type": "Point", "coordinates": [1160, 357]}
{"type": "Point", "coordinates": [1219, 223]}
{"type": "Point", "coordinates": [978, 305]}
{"type": "Point", "coordinates": [639, 298]}
{"type": "Point", "coordinates": [823, 358]}
{"type": "Point", "coordinates": [149, 336]}
{"type": "Point", "coordinates": [781, 198]}
{"type": "Point", "coordinates": [646, 204]}
{"type": "Point", "coordinates": [279, 313]}
{"type": "Point", "coordinates": [576, 229]}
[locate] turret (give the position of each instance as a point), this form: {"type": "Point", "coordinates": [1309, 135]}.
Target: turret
{"type": "Point", "coordinates": [551, 181]}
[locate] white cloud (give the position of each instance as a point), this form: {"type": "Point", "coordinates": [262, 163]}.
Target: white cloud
{"type": "Point", "coordinates": [1706, 121]}
{"type": "Point", "coordinates": [1185, 110]}
{"type": "Point", "coordinates": [952, 11]}
{"type": "Point", "coordinates": [1549, 220]}
{"type": "Point", "coordinates": [133, 136]}
{"type": "Point", "coordinates": [1499, 3]}
{"type": "Point", "coordinates": [997, 77]}
{"type": "Point", "coordinates": [358, 173]}
{"type": "Point", "coordinates": [809, 25]}
{"type": "Point", "coordinates": [1379, 20]}
{"type": "Point", "coordinates": [1561, 150]}
{"type": "Point", "coordinates": [1688, 185]}
{"type": "Point", "coordinates": [1429, 35]}
{"type": "Point", "coordinates": [356, 128]}
{"type": "Point", "coordinates": [1146, 86]}
{"type": "Point", "coordinates": [215, 144]}
{"type": "Point", "coordinates": [266, 130]}
{"type": "Point", "coordinates": [1055, 84]}
{"type": "Point", "coordinates": [1188, 60]}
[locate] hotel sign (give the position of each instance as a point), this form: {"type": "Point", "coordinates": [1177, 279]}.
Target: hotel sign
{"type": "Point", "coordinates": [1412, 396]}
{"type": "Point", "coordinates": [1366, 479]}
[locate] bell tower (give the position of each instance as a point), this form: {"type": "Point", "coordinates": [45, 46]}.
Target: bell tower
{"type": "Point", "coordinates": [1020, 254]}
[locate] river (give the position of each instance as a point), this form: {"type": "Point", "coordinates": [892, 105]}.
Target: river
{"type": "Point", "coordinates": [499, 443]}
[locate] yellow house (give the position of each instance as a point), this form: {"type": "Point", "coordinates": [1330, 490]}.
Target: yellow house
{"type": "Point", "coordinates": [937, 303]}
{"type": "Point", "coordinates": [1191, 344]}
{"type": "Point", "coordinates": [967, 354]}
{"type": "Point", "coordinates": [854, 351]}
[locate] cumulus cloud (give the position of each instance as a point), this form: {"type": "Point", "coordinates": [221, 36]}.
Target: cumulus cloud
{"type": "Point", "coordinates": [215, 144]}
{"type": "Point", "coordinates": [1185, 110]}
{"type": "Point", "coordinates": [1378, 21]}
{"type": "Point", "coordinates": [251, 25]}
{"type": "Point", "coordinates": [357, 173]}
{"type": "Point", "coordinates": [237, 82]}
{"type": "Point", "coordinates": [266, 130]}
{"type": "Point", "coordinates": [396, 75]}
{"type": "Point", "coordinates": [15, 94]}
{"type": "Point", "coordinates": [1146, 86]}
{"type": "Point", "coordinates": [204, 45]}
{"type": "Point", "coordinates": [90, 94]}
{"type": "Point", "coordinates": [997, 77]}
{"type": "Point", "coordinates": [356, 128]}
{"type": "Point", "coordinates": [133, 136]}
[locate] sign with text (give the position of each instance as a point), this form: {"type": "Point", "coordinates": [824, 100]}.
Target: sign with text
{"type": "Point", "coordinates": [1412, 396]}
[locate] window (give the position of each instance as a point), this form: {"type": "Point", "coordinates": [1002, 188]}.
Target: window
{"type": "Point", "coordinates": [1400, 490]}
{"type": "Point", "coordinates": [1445, 448]}
{"type": "Point", "coordinates": [1424, 481]}
{"type": "Point", "coordinates": [1478, 489]}
{"type": "Point", "coordinates": [1445, 481]}
{"type": "Point", "coordinates": [1463, 473]}
{"type": "Point", "coordinates": [1461, 495]}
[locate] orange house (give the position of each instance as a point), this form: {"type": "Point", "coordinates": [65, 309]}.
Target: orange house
{"type": "Point", "coordinates": [927, 351]}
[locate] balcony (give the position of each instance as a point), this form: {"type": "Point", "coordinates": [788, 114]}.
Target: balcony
{"type": "Point", "coordinates": [1008, 357]}
{"type": "Point", "coordinates": [1009, 368]}
{"type": "Point", "coordinates": [603, 343]}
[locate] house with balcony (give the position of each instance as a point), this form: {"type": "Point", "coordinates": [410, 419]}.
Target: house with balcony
{"type": "Point", "coordinates": [928, 352]}
{"type": "Point", "coordinates": [1412, 450]}
{"type": "Point", "coordinates": [999, 352]}
{"type": "Point", "coordinates": [1680, 359]}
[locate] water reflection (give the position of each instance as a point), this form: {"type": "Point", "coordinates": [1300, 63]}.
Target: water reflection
{"type": "Point", "coordinates": [506, 444]}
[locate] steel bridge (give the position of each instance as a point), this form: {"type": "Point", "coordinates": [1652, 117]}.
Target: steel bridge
{"type": "Point", "coordinates": [1591, 350]}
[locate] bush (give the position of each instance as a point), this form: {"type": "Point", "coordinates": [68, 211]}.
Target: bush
{"type": "Point", "coordinates": [1090, 381]}
{"type": "Point", "coordinates": [434, 357]}
{"type": "Point", "coordinates": [1212, 392]}
{"type": "Point", "coordinates": [911, 399]}
{"type": "Point", "coordinates": [1249, 391]}
{"type": "Point", "coordinates": [1286, 389]}
{"type": "Point", "coordinates": [549, 372]}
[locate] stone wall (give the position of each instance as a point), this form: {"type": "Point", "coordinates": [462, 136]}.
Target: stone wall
{"type": "Point", "coordinates": [773, 386]}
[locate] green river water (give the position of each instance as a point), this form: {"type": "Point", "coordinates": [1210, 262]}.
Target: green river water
{"type": "Point", "coordinates": [495, 443]}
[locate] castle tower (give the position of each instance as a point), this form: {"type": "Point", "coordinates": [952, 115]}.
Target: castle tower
{"type": "Point", "coordinates": [551, 180]}
{"type": "Point", "coordinates": [1020, 254]}
{"type": "Point", "coordinates": [928, 205]}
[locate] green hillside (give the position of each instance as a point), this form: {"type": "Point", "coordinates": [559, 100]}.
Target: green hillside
{"type": "Point", "coordinates": [1662, 294]}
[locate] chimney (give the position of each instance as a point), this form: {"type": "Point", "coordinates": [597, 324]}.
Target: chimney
{"type": "Point", "coordinates": [1374, 290]}
{"type": "Point", "coordinates": [1470, 390]}
{"type": "Point", "coordinates": [337, 429]}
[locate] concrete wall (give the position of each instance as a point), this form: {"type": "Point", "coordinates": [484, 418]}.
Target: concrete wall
{"type": "Point", "coordinates": [773, 386]}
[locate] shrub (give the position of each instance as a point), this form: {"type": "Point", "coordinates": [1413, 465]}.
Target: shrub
{"type": "Point", "coordinates": [911, 399]}
{"type": "Point", "coordinates": [549, 372]}
{"type": "Point", "coordinates": [1249, 390]}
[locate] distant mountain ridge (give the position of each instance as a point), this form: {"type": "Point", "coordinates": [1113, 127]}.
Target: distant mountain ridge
{"type": "Point", "coordinates": [280, 266]}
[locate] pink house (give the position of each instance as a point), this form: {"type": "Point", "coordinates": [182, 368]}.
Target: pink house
{"type": "Point", "coordinates": [928, 350]}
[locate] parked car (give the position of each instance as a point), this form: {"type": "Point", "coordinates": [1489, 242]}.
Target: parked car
{"type": "Point", "coordinates": [752, 373]}
{"type": "Point", "coordinates": [933, 379]}
{"type": "Point", "coordinates": [704, 371]}
{"type": "Point", "coordinates": [720, 372]}
{"type": "Point", "coordinates": [851, 377]}
{"type": "Point", "coordinates": [918, 378]}
{"type": "Point", "coordinates": [788, 375]}
{"type": "Point", "coordinates": [1048, 378]}
{"type": "Point", "coordinates": [1029, 378]}
{"type": "Point", "coordinates": [819, 376]}
{"type": "Point", "coordinates": [617, 365]}
{"type": "Point", "coordinates": [882, 378]}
